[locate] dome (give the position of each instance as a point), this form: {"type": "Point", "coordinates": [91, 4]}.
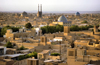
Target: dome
{"type": "Point", "coordinates": [77, 13]}
{"type": "Point", "coordinates": [62, 19]}
{"type": "Point", "coordinates": [24, 12]}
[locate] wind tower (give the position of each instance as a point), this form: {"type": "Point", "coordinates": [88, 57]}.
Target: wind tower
{"type": "Point", "coordinates": [39, 14]}
{"type": "Point", "coordinates": [66, 30]}
{"type": "Point", "coordinates": [95, 29]}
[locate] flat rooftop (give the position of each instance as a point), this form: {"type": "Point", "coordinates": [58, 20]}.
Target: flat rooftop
{"type": "Point", "coordinates": [2, 47]}
{"type": "Point", "coordinates": [12, 55]}
{"type": "Point", "coordinates": [32, 59]}
{"type": "Point", "coordinates": [45, 51]}
{"type": "Point", "coordinates": [58, 37]}
{"type": "Point", "coordinates": [82, 41]}
{"type": "Point", "coordinates": [52, 60]}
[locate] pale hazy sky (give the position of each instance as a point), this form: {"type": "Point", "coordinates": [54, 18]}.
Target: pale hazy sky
{"type": "Point", "coordinates": [50, 5]}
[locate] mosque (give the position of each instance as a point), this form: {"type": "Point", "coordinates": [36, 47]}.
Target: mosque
{"type": "Point", "coordinates": [24, 14]}
{"type": "Point", "coordinates": [77, 14]}
{"type": "Point", "coordinates": [62, 20]}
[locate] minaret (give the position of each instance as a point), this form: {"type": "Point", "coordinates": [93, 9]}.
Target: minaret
{"type": "Point", "coordinates": [41, 7]}
{"type": "Point", "coordinates": [41, 11]}
{"type": "Point", "coordinates": [38, 11]}
{"type": "Point", "coordinates": [38, 7]}
{"type": "Point", "coordinates": [39, 14]}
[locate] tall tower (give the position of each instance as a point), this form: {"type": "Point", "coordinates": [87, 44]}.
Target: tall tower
{"type": "Point", "coordinates": [43, 40]}
{"type": "Point", "coordinates": [32, 61]}
{"type": "Point", "coordinates": [71, 53]}
{"type": "Point", "coordinates": [41, 7]}
{"type": "Point", "coordinates": [95, 29]}
{"type": "Point", "coordinates": [66, 30]}
{"type": "Point", "coordinates": [39, 14]}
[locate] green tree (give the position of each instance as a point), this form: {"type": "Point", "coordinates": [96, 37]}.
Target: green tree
{"type": "Point", "coordinates": [53, 43]}
{"type": "Point", "coordinates": [52, 29]}
{"type": "Point", "coordinates": [57, 28]}
{"type": "Point", "coordinates": [28, 25]}
{"type": "Point", "coordinates": [4, 29]}
{"type": "Point", "coordinates": [33, 54]}
{"type": "Point", "coordinates": [55, 54]}
{"type": "Point", "coordinates": [77, 28]}
{"type": "Point", "coordinates": [85, 21]}
{"type": "Point", "coordinates": [22, 48]}
{"type": "Point", "coordinates": [21, 57]}
{"type": "Point", "coordinates": [74, 28]}
{"type": "Point", "coordinates": [43, 30]}
{"type": "Point", "coordinates": [27, 56]}
{"type": "Point", "coordinates": [9, 45]}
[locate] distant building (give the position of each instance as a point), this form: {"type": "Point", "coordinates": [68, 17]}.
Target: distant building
{"type": "Point", "coordinates": [2, 50]}
{"type": "Point", "coordinates": [62, 19]}
{"type": "Point", "coordinates": [39, 14]}
{"type": "Point", "coordinates": [58, 39]}
{"type": "Point", "coordinates": [24, 14]}
{"type": "Point", "coordinates": [6, 62]}
{"type": "Point", "coordinates": [77, 14]}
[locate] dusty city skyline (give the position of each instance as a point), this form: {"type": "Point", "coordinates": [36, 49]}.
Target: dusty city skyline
{"type": "Point", "coordinates": [51, 5]}
{"type": "Point", "coordinates": [49, 32]}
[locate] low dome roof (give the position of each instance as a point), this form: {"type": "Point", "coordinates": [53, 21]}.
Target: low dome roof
{"type": "Point", "coordinates": [77, 13]}
{"type": "Point", "coordinates": [24, 12]}
{"type": "Point", "coordinates": [62, 19]}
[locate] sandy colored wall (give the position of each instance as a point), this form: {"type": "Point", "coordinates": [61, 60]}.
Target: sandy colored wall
{"type": "Point", "coordinates": [73, 62]}
{"type": "Point", "coordinates": [2, 63]}
{"type": "Point", "coordinates": [6, 62]}
{"type": "Point", "coordinates": [27, 45]}
{"type": "Point", "coordinates": [52, 57]}
{"type": "Point", "coordinates": [62, 64]}
{"type": "Point", "coordinates": [1, 38]}
{"type": "Point", "coordinates": [55, 46]}
{"type": "Point", "coordinates": [92, 52]}
{"type": "Point", "coordinates": [21, 62]}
